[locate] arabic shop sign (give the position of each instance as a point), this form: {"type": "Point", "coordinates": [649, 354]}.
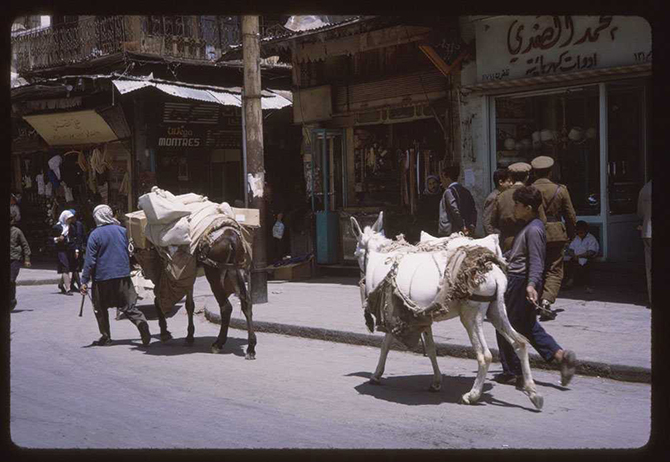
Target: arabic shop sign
{"type": "Point", "coordinates": [514, 47]}
{"type": "Point", "coordinates": [179, 136]}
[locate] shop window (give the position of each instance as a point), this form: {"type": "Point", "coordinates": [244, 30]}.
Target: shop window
{"type": "Point", "coordinates": [626, 150]}
{"type": "Point", "coordinates": [562, 125]}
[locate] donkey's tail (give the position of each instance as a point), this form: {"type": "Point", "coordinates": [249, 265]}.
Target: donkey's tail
{"type": "Point", "coordinates": [501, 287]}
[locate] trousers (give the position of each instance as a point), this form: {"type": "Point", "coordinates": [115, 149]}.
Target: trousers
{"type": "Point", "coordinates": [522, 316]}
{"type": "Point", "coordinates": [14, 268]}
{"type": "Point", "coordinates": [118, 293]}
{"type": "Point", "coordinates": [553, 271]}
{"type": "Point", "coordinates": [580, 274]}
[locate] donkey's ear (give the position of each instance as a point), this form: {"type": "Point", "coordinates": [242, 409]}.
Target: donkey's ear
{"type": "Point", "coordinates": [355, 228]}
{"type": "Point", "coordinates": [379, 224]}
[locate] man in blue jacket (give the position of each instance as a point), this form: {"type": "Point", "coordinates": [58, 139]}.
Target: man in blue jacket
{"type": "Point", "coordinates": [108, 264]}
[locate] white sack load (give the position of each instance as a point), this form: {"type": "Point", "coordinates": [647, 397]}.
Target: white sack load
{"type": "Point", "coordinates": [191, 198]}
{"type": "Point", "coordinates": [161, 206]}
{"type": "Point", "coordinates": [173, 234]}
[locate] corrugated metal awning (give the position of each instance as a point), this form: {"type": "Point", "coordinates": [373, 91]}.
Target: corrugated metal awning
{"type": "Point", "coordinates": [270, 99]}
{"type": "Point", "coordinates": [502, 85]}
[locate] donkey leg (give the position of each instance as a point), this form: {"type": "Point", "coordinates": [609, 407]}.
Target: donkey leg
{"type": "Point", "coordinates": [472, 318]}
{"type": "Point", "coordinates": [190, 308]}
{"type": "Point", "coordinates": [386, 345]}
{"type": "Point", "coordinates": [431, 351]}
{"type": "Point", "coordinates": [216, 279]}
{"type": "Point", "coordinates": [498, 317]}
{"type": "Point", "coordinates": [162, 323]}
{"type": "Point", "coordinates": [245, 300]}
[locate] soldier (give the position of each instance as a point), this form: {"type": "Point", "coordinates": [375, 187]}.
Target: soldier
{"type": "Point", "coordinates": [502, 180]}
{"type": "Point", "coordinates": [557, 206]}
{"type": "Point", "coordinates": [502, 214]}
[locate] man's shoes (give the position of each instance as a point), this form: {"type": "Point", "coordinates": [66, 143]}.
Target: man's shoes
{"type": "Point", "coordinates": [12, 305]}
{"type": "Point", "coordinates": [62, 289]}
{"type": "Point", "coordinates": [505, 378]}
{"type": "Point", "coordinates": [546, 313]}
{"type": "Point", "coordinates": [103, 341]}
{"type": "Point", "coordinates": [144, 333]}
{"type": "Point", "coordinates": [568, 366]}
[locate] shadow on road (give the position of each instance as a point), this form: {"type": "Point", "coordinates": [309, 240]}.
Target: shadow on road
{"type": "Point", "coordinates": [412, 390]}
{"type": "Point", "coordinates": [19, 311]}
{"type": "Point", "coordinates": [178, 346]}
{"type": "Point", "coordinates": [341, 280]}
{"type": "Point", "coordinates": [624, 294]}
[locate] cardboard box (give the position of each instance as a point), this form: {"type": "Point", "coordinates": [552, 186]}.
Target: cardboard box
{"type": "Point", "coordinates": [137, 221]}
{"type": "Point", "coordinates": [294, 271]}
{"type": "Point", "coordinates": [247, 217]}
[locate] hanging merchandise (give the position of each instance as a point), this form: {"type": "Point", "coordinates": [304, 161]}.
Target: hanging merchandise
{"type": "Point", "coordinates": [54, 165]}
{"type": "Point", "coordinates": [48, 189]}
{"type": "Point", "coordinates": [68, 193]}
{"type": "Point", "coordinates": [104, 192]}
{"type": "Point", "coordinates": [81, 160]}
{"type": "Point", "coordinates": [27, 183]}
{"type": "Point", "coordinates": [39, 179]}
{"type": "Point", "coordinates": [53, 179]}
{"type": "Point", "coordinates": [97, 164]}
{"type": "Point", "coordinates": [91, 181]}
{"type": "Point", "coordinates": [125, 185]}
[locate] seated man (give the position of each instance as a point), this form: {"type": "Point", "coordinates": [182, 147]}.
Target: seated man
{"type": "Point", "coordinates": [583, 248]}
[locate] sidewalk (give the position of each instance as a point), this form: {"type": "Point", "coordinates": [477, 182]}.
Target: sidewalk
{"type": "Point", "coordinates": [610, 330]}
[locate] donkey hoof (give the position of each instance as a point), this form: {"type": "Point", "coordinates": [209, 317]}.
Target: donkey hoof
{"type": "Point", "coordinates": [374, 381]}
{"type": "Point", "coordinates": [166, 336]}
{"type": "Point", "coordinates": [435, 388]}
{"type": "Point", "coordinates": [538, 401]}
{"type": "Point", "coordinates": [188, 341]}
{"type": "Point", "coordinates": [216, 349]}
{"type": "Point", "coordinates": [467, 399]}
{"type": "Point", "coordinates": [250, 356]}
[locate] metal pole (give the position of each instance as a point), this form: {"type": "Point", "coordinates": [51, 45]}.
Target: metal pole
{"type": "Point", "coordinates": [253, 132]}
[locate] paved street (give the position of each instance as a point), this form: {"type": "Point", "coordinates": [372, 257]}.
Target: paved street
{"type": "Point", "coordinates": [299, 393]}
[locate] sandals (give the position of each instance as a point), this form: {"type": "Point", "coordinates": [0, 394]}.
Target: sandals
{"type": "Point", "coordinates": [568, 366]}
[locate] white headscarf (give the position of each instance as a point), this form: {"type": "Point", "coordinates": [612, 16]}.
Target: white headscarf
{"type": "Point", "coordinates": [103, 215]}
{"type": "Point", "coordinates": [64, 217]}
{"type": "Point", "coordinates": [54, 164]}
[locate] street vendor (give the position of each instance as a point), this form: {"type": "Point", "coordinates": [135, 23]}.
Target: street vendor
{"type": "Point", "coordinates": [107, 263]}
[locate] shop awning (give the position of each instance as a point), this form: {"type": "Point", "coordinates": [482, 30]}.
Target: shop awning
{"type": "Point", "coordinates": [270, 99]}
{"type": "Point", "coordinates": [72, 128]}
{"type": "Point", "coordinates": [502, 85]}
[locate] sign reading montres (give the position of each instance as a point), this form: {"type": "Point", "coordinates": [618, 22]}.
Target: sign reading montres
{"type": "Point", "coordinates": [180, 136]}
{"type": "Point", "coordinates": [513, 47]}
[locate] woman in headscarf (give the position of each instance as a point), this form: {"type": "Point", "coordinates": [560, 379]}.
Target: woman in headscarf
{"type": "Point", "coordinates": [429, 207]}
{"type": "Point", "coordinates": [78, 239]}
{"type": "Point", "coordinates": [65, 247]}
{"type": "Point", "coordinates": [107, 263]}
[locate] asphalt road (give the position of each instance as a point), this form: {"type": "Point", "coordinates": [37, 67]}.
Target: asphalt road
{"type": "Point", "coordinates": [298, 393]}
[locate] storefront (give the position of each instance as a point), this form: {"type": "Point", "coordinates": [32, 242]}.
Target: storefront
{"type": "Point", "coordinates": [575, 88]}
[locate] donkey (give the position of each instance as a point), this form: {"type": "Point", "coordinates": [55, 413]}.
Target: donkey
{"type": "Point", "coordinates": [418, 278]}
{"type": "Point", "coordinates": [225, 266]}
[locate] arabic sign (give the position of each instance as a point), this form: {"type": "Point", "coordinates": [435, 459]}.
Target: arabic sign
{"type": "Point", "coordinates": [515, 47]}
{"type": "Point", "coordinates": [72, 128]}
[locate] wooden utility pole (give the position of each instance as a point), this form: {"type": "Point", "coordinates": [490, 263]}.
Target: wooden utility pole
{"type": "Point", "coordinates": [255, 181]}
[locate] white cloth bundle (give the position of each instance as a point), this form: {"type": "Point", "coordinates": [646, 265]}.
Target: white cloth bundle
{"type": "Point", "coordinates": [164, 235]}
{"type": "Point", "coordinates": [40, 184]}
{"type": "Point", "coordinates": [54, 164]}
{"type": "Point", "coordinates": [162, 207]}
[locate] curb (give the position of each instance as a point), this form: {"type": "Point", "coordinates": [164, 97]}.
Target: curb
{"type": "Point", "coordinates": [587, 368]}
{"type": "Point", "coordinates": [37, 282]}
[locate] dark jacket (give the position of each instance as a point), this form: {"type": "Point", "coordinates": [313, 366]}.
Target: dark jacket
{"type": "Point", "coordinates": [106, 254]}
{"type": "Point", "coordinates": [78, 236]}
{"type": "Point", "coordinates": [457, 210]}
{"type": "Point", "coordinates": [528, 253]}
{"type": "Point", "coordinates": [67, 243]}
{"type": "Point", "coordinates": [18, 245]}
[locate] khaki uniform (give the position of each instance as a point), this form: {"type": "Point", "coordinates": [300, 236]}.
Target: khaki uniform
{"type": "Point", "coordinates": [489, 205]}
{"type": "Point", "coordinates": [556, 207]}
{"type": "Point", "coordinates": [502, 217]}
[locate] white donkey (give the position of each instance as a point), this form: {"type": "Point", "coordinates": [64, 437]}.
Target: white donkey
{"type": "Point", "coordinates": [418, 277]}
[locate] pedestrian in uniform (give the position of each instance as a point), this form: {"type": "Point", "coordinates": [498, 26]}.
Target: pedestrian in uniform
{"type": "Point", "coordinates": [19, 254]}
{"type": "Point", "coordinates": [557, 206]}
{"type": "Point", "coordinates": [524, 284]}
{"type": "Point", "coordinates": [502, 213]}
{"type": "Point", "coordinates": [502, 181]}
{"type": "Point", "coordinates": [458, 212]}
{"type": "Point", "coordinates": [64, 241]}
{"type": "Point", "coordinates": [107, 263]}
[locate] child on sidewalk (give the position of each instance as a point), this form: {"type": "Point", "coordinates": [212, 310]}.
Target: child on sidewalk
{"type": "Point", "coordinates": [583, 248]}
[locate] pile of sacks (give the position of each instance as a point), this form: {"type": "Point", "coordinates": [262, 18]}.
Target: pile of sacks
{"type": "Point", "coordinates": [174, 221]}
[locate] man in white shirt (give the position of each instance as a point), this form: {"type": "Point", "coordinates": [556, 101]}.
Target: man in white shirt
{"type": "Point", "coordinates": [583, 248]}
{"type": "Point", "coordinates": [644, 212]}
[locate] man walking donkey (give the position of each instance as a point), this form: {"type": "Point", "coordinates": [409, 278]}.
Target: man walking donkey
{"type": "Point", "coordinates": [107, 264]}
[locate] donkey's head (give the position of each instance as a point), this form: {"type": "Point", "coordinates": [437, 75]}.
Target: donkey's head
{"type": "Point", "coordinates": [368, 239]}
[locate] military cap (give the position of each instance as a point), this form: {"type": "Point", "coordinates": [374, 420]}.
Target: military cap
{"type": "Point", "coordinates": [519, 167]}
{"type": "Point", "coordinates": [542, 162]}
